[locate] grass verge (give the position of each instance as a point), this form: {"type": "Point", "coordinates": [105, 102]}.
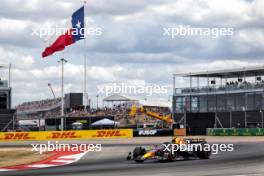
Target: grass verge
{"type": "Point", "coordinates": [11, 157]}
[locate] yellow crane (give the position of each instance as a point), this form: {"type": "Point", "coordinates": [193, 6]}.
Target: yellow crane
{"type": "Point", "coordinates": [165, 118]}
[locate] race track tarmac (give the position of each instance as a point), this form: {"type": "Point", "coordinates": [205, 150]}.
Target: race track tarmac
{"type": "Point", "coordinates": [247, 159]}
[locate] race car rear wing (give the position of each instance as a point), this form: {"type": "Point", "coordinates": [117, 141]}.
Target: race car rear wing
{"type": "Point", "coordinates": [195, 140]}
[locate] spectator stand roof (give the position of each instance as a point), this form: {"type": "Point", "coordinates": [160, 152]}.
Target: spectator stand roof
{"type": "Point", "coordinates": [227, 73]}
{"type": "Point", "coordinates": [117, 97]}
{"type": "Point", "coordinates": [155, 103]}
{"type": "Point", "coordinates": [105, 122]}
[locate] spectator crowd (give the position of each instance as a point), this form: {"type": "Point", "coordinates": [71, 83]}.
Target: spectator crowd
{"type": "Point", "coordinates": [39, 105]}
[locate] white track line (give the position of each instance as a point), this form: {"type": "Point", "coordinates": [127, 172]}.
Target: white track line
{"type": "Point", "coordinates": [62, 161]}
{"type": "Point", "coordinates": [2, 170]}
{"type": "Point", "coordinates": [41, 165]}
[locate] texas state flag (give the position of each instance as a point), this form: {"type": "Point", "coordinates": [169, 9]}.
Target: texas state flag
{"type": "Point", "coordinates": [73, 34]}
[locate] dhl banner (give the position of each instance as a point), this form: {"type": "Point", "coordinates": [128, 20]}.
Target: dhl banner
{"type": "Point", "coordinates": [64, 135]}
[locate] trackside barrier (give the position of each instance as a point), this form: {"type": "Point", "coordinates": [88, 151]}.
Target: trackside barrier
{"type": "Point", "coordinates": [179, 132]}
{"type": "Point", "coordinates": [152, 132]}
{"type": "Point", "coordinates": [235, 131]}
{"type": "Point", "coordinates": [66, 135]}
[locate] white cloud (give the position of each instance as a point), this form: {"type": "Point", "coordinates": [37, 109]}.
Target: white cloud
{"type": "Point", "coordinates": [253, 37]}
{"type": "Point", "coordinates": [131, 47]}
{"type": "Point", "coordinates": [17, 60]}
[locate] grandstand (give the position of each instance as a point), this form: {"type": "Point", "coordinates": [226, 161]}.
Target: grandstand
{"type": "Point", "coordinates": [231, 98]}
{"type": "Point", "coordinates": [42, 105]}
{"type": "Point", "coordinates": [48, 112]}
{"type": "Point", "coordinates": [7, 120]}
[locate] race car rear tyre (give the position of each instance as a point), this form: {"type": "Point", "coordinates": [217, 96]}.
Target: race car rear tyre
{"type": "Point", "coordinates": [168, 154]}
{"type": "Point", "coordinates": [203, 154]}
{"type": "Point", "coordinates": [139, 161]}
{"type": "Point", "coordinates": [137, 153]}
{"type": "Point", "coordinates": [169, 158]}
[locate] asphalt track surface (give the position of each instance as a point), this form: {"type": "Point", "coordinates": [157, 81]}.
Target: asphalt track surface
{"type": "Point", "coordinates": [247, 159]}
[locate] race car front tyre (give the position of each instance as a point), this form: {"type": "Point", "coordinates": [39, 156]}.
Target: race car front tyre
{"type": "Point", "coordinates": [138, 153]}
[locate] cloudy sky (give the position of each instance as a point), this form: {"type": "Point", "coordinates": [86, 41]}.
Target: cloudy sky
{"type": "Point", "coordinates": [132, 45]}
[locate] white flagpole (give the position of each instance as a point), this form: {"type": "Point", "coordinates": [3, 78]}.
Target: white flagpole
{"type": "Point", "coordinates": [85, 94]}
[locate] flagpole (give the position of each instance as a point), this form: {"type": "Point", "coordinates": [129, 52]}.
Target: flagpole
{"type": "Point", "coordinates": [85, 66]}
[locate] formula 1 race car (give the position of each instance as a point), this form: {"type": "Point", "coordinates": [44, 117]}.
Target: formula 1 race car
{"type": "Point", "coordinates": [178, 148]}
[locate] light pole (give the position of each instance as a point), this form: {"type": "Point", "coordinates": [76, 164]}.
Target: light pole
{"type": "Point", "coordinates": [230, 118]}
{"type": "Point", "coordinates": [173, 93]}
{"type": "Point", "coordinates": [261, 118]}
{"type": "Point", "coordinates": [169, 98]}
{"type": "Point", "coordinates": [185, 117]}
{"type": "Point", "coordinates": [245, 112]}
{"type": "Point", "coordinates": [9, 75]}
{"type": "Point", "coordinates": [97, 101]}
{"type": "Point", "coordinates": [62, 61]}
